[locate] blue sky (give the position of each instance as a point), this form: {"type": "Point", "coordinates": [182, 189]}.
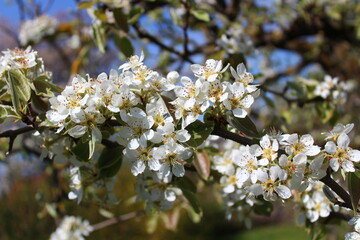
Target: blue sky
{"type": "Point", "coordinates": [9, 9]}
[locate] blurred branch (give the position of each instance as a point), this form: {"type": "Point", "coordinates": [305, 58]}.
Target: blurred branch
{"type": "Point", "coordinates": [282, 94]}
{"type": "Point", "coordinates": [144, 34]}
{"type": "Point", "coordinates": [10, 33]}
{"type": "Point", "coordinates": [118, 219]}
{"type": "Point", "coordinates": [186, 26]}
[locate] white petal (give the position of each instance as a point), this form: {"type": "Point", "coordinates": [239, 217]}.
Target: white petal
{"type": "Point", "coordinates": [283, 192]}
{"type": "Point", "coordinates": [307, 140]}
{"type": "Point", "coordinates": [330, 147]}
{"type": "Point", "coordinates": [178, 169]}
{"type": "Point", "coordinates": [78, 131]}
{"type": "Point", "coordinates": [334, 164]}
{"type": "Point", "coordinates": [239, 113]}
{"type": "Point", "coordinates": [343, 141]}
{"type": "Point", "coordinates": [300, 159]}
{"type": "Point", "coordinates": [138, 167]}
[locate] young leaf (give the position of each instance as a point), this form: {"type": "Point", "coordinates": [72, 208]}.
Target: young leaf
{"type": "Point", "coordinates": [85, 4]}
{"type": "Point", "coordinates": [200, 15]}
{"type": "Point", "coordinates": [98, 31]}
{"type": "Point", "coordinates": [95, 138]}
{"type": "Point", "coordinates": [199, 132]}
{"type": "Point", "coordinates": [7, 112]}
{"type": "Point", "coordinates": [20, 90]}
{"type": "Point", "coordinates": [202, 164]}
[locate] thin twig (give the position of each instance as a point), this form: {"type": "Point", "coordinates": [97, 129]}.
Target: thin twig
{"type": "Point", "coordinates": [118, 219]}
{"type": "Point", "coordinates": [143, 34]}
{"type": "Point", "coordinates": [12, 134]}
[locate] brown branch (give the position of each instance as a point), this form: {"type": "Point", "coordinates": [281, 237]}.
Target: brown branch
{"type": "Point", "coordinates": [118, 219]}
{"type": "Point", "coordinates": [12, 134]}
{"type": "Point", "coordinates": [230, 135]}
{"type": "Point", "coordinates": [328, 181]}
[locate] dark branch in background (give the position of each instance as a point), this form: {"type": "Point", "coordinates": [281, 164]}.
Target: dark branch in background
{"type": "Point", "coordinates": [118, 219]}
{"type": "Point", "coordinates": [144, 34]}
{"type": "Point", "coordinates": [12, 134]}
{"type": "Point", "coordinates": [300, 102]}
{"type": "Point", "coordinates": [21, 7]}
{"type": "Point", "coordinates": [186, 26]}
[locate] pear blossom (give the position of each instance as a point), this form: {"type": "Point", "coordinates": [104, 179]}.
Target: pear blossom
{"type": "Point", "coordinates": [305, 145]}
{"type": "Point", "coordinates": [241, 75]}
{"type": "Point", "coordinates": [238, 100]}
{"type": "Point", "coordinates": [35, 29]}
{"type": "Point", "coordinates": [338, 130]}
{"type": "Point", "coordinates": [173, 156]}
{"type": "Point", "coordinates": [141, 157]}
{"type": "Point", "coordinates": [72, 227]}
{"type": "Point", "coordinates": [356, 234]}
{"type": "Point", "coordinates": [340, 154]}
{"type": "Point", "coordinates": [133, 63]}
{"type": "Point", "coordinates": [210, 71]}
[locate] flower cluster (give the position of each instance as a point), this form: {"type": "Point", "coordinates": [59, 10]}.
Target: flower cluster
{"type": "Point", "coordinates": [281, 166]}
{"type": "Point", "coordinates": [356, 234]}
{"type": "Point", "coordinates": [332, 87]}
{"type": "Point", "coordinates": [151, 128]}
{"type": "Point", "coordinates": [32, 31]}
{"type": "Point", "coordinates": [72, 227]}
{"type": "Point", "coordinates": [338, 151]}
{"type": "Point", "coordinates": [20, 59]}
{"type": "Point", "coordinates": [234, 40]}
{"type": "Point", "coordinates": [313, 203]}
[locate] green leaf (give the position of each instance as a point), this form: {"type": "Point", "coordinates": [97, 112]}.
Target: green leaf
{"type": "Point", "coordinates": [185, 183]}
{"type": "Point", "coordinates": [175, 17]}
{"type": "Point", "coordinates": [244, 125]}
{"type": "Point", "coordinates": [110, 161]}
{"type": "Point", "coordinates": [45, 88]}
{"type": "Point", "coordinates": [200, 15]}
{"type": "Point", "coordinates": [135, 14]}
{"type": "Point", "coordinates": [354, 190]}
{"type": "Point", "coordinates": [264, 208]}
{"type": "Point", "coordinates": [124, 45]}
{"type": "Point", "coordinates": [81, 151]}
{"type": "Point", "coordinates": [85, 4]}
{"type": "Point", "coordinates": [121, 19]}
{"type": "Point", "coordinates": [7, 112]}
{"type": "Point", "coordinates": [199, 132]}
{"type": "Point", "coordinates": [191, 197]}
{"type": "Point", "coordinates": [20, 90]}
{"type": "Point", "coordinates": [99, 36]}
